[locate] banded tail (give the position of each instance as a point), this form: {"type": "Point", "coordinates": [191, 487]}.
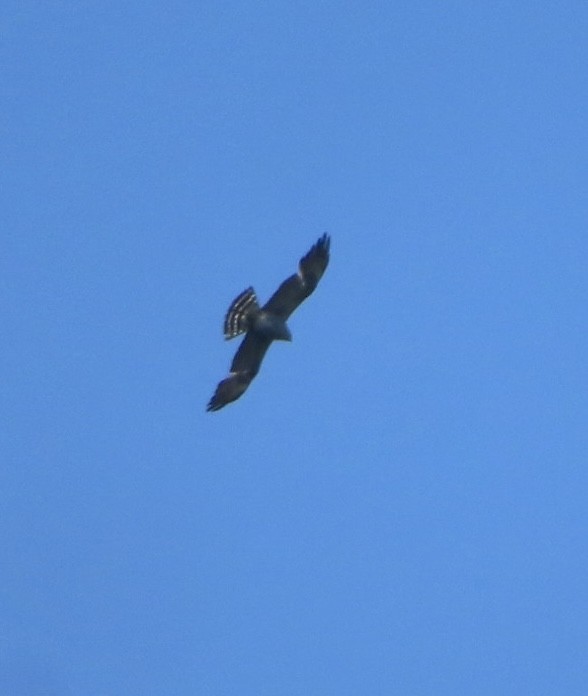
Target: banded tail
{"type": "Point", "coordinates": [241, 311]}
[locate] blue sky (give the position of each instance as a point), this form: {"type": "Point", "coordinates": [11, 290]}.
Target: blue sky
{"type": "Point", "coordinates": [398, 505]}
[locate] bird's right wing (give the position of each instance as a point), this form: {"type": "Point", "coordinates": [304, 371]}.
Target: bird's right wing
{"type": "Point", "coordinates": [299, 286]}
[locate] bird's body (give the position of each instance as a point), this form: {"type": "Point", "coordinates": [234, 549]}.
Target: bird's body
{"type": "Point", "coordinates": [271, 326]}
{"type": "Point", "coordinates": [262, 325]}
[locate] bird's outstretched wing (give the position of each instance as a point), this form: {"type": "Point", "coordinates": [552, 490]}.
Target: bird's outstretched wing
{"type": "Point", "coordinates": [298, 287]}
{"type": "Point", "coordinates": [230, 389]}
{"type": "Point", "coordinates": [244, 367]}
{"type": "Point", "coordinates": [250, 353]}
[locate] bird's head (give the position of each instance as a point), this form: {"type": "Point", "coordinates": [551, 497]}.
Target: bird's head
{"type": "Point", "coordinates": [272, 326]}
{"type": "Point", "coordinates": [284, 333]}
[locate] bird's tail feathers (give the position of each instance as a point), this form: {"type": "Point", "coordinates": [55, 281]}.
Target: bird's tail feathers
{"type": "Point", "coordinates": [241, 311]}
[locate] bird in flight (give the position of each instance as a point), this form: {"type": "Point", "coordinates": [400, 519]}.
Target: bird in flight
{"type": "Point", "coordinates": [262, 325]}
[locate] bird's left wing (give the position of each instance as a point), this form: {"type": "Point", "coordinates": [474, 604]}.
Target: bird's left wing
{"type": "Point", "coordinates": [244, 367]}
{"type": "Point", "coordinates": [250, 353]}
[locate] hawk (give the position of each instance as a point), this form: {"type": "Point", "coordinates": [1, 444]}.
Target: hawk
{"type": "Point", "coordinates": [262, 325]}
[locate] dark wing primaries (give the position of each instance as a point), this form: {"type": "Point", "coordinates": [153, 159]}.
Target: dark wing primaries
{"type": "Point", "coordinates": [298, 287]}
{"type": "Point", "coordinates": [244, 367]}
{"type": "Point", "coordinates": [230, 389]}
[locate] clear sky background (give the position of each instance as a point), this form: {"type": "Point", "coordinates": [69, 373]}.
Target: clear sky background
{"type": "Point", "coordinates": [398, 505]}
